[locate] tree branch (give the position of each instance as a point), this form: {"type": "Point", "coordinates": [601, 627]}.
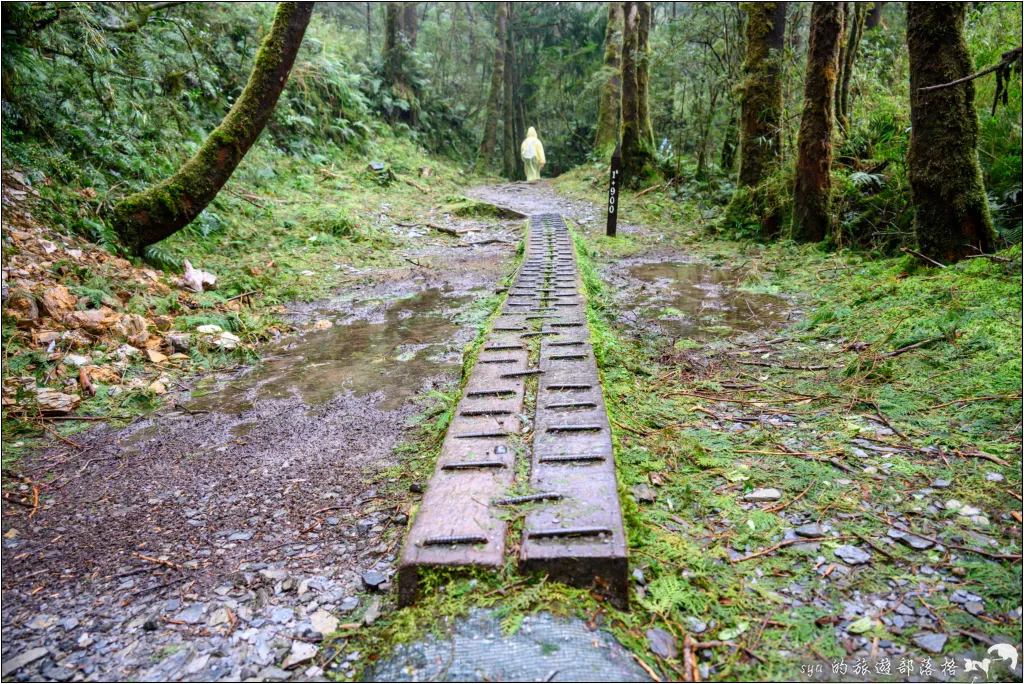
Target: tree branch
{"type": "Point", "coordinates": [1008, 58]}
{"type": "Point", "coordinates": [142, 16]}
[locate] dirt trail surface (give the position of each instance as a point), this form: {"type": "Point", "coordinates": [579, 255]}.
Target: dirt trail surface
{"type": "Point", "coordinates": [221, 536]}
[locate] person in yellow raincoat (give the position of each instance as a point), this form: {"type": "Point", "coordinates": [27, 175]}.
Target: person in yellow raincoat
{"type": "Point", "coordinates": [532, 152]}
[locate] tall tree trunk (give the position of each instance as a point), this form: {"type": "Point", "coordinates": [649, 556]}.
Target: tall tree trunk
{"type": "Point", "coordinates": [875, 15]}
{"type": "Point", "coordinates": [608, 112]}
{"type": "Point", "coordinates": [394, 57]}
{"type": "Point", "coordinates": [512, 167]}
{"type": "Point", "coordinates": [410, 22]}
{"type": "Point", "coordinates": [761, 91]}
{"type": "Point", "coordinates": [812, 219]}
{"type": "Point", "coordinates": [490, 138]}
{"type": "Point", "coordinates": [854, 31]}
{"type": "Point", "coordinates": [637, 154]}
{"type": "Point", "coordinates": [643, 69]}
{"type": "Point", "coordinates": [162, 210]}
{"type": "Point", "coordinates": [730, 142]}
{"type": "Point", "coordinates": [392, 52]}
{"type": "Point", "coordinates": [847, 18]}
{"type": "Point", "coordinates": [951, 216]}
{"type": "Point", "coordinates": [369, 25]}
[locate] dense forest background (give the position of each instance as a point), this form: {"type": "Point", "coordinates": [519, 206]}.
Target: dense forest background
{"type": "Point", "coordinates": [103, 99]}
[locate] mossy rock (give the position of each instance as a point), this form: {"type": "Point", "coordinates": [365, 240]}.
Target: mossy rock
{"type": "Point", "coordinates": [470, 208]}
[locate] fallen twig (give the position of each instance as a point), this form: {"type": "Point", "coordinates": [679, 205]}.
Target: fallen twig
{"type": "Point", "coordinates": [876, 547]}
{"type": "Point", "coordinates": [650, 672]}
{"type": "Point", "coordinates": [922, 256]}
{"type": "Point", "coordinates": [157, 561]}
{"type": "Point", "coordinates": [781, 544]}
{"type": "Point", "coordinates": [765, 364]}
{"type": "Point", "coordinates": [909, 347]}
{"type": "Point", "coordinates": [999, 556]}
{"type": "Point", "coordinates": [776, 509]}
{"type": "Point", "coordinates": [982, 454]}
{"type": "Point", "coordinates": [415, 185]}
{"type": "Point", "coordinates": [994, 397]}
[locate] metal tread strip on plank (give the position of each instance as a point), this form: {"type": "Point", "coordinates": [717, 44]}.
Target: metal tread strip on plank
{"type": "Point", "coordinates": [456, 525]}
{"type": "Point", "coordinates": [577, 538]}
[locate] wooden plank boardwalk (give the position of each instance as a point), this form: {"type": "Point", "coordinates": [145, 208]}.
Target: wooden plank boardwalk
{"type": "Point", "coordinates": [540, 343]}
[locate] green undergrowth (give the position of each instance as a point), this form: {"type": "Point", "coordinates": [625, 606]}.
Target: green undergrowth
{"type": "Point", "coordinates": [953, 403]}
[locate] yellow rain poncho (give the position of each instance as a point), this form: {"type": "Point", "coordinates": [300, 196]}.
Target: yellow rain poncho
{"type": "Point", "coordinates": [532, 152]}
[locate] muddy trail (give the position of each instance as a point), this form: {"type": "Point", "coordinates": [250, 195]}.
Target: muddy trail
{"type": "Point", "coordinates": [218, 537]}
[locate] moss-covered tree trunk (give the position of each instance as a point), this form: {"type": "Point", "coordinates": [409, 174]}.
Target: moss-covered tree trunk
{"type": "Point", "coordinates": [875, 15]}
{"type": "Point", "coordinates": [494, 99]}
{"type": "Point", "coordinates": [951, 217]}
{"type": "Point", "coordinates": [608, 111]}
{"type": "Point", "coordinates": [854, 30]}
{"type": "Point", "coordinates": [512, 133]}
{"type": "Point", "coordinates": [643, 69]}
{"type": "Point", "coordinates": [761, 91]}
{"type": "Point", "coordinates": [847, 13]}
{"type": "Point", "coordinates": [162, 210]}
{"type": "Point", "coordinates": [730, 141]}
{"type": "Point", "coordinates": [410, 22]}
{"type": "Point", "coordinates": [812, 219]}
{"type": "Point", "coordinates": [637, 153]}
{"type": "Point", "coordinates": [391, 55]}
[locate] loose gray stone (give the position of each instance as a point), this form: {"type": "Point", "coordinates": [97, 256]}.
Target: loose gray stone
{"type": "Point", "coordinates": [643, 493]}
{"type": "Point", "coordinates": [282, 615]}
{"type": "Point", "coordinates": [12, 665]}
{"type": "Point", "coordinates": [911, 540]}
{"type": "Point", "coordinates": [301, 652]}
{"type": "Point", "coordinates": [696, 625]}
{"type": "Point", "coordinates": [348, 604]}
{"type": "Point", "coordinates": [974, 608]}
{"type": "Point", "coordinates": [853, 555]}
{"type": "Point", "coordinates": [240, 536]}
{"type": "Point", "coordinates": [42, 622]}
{"type": "Point", "coordinates": [372, 613]}
{"type": "Point", "coordinates": [941, 484]}
{"type": "Point", "coordinates": [273, 575]}
{"type": "Point", "coordinates": [810, 530]}
{"type": "Point", "coordinates": [765, 494]}
{"type": "Point", "coordinates": [373, 579]}
{"type": "Point", "coordinates": [274, 674]}
{"type": "Point", "coordinates": [933, 643]}
{"type": "Point", "coordinates": [662, 643]}
{"type": "Point", "coordinates": [192, 615]}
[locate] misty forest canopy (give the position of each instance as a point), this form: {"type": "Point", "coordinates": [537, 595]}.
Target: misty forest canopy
{"type": "Point", "coordinates": [782, 119]}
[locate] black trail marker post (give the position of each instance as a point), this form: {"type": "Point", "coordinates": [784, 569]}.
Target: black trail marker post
{"type": "Point", "coordinates": [613, 190]}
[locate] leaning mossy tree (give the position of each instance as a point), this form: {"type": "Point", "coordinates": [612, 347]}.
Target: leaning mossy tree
{"type": "Point", "coordinates": [638, 161]}
{"type": "Point", "coordinates": [812, 215]}
{"type": "Point", "coordinates": [149, 216]}
{"type": "Point", "coordinates": [760, 95]}
{"type": "Point", "coordinates": [951, 215]}
{"type": "Point", "coordinates": [608, 108]}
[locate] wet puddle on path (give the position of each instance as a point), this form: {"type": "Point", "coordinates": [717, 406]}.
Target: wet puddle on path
{"type": "Point", "coordinates": [393, 358]}
{"type": "Point", "coordinates": [697, 300]}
